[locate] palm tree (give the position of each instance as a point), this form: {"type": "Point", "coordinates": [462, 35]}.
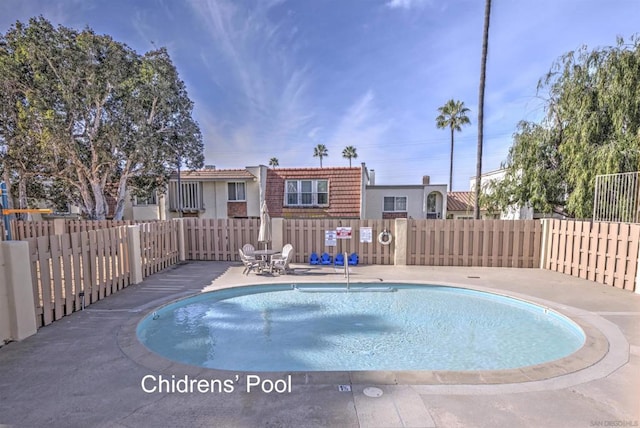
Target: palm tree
{"type": "Point", "coordinates": [452, 115]}
{"type": "Point", "coordinates": [273, 162]}
{"type": "Point", "coordinates": [320, 151]}
{"type": "Point", "coordinates": [483, 69]}
{"type": "Point", "coordinates": [349, 152]}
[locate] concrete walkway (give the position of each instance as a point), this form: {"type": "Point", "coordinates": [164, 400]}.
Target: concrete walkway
{"type": "Point", "coordinates": [86, 370]}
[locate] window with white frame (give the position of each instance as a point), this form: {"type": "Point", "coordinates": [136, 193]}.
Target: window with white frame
{"type": "Point", "coordinates": [236, 191]}
{"type": "Point", "coordinates": [395, 203]}
{"type": "Point", "coordinates": [306, 193]}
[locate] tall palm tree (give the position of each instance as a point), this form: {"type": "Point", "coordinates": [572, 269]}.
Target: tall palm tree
{"type": "Point", "coordinates": [349, 152]}
{"type": "Point", "coordinates": [320, 151]}
{"type": "Point", "coordinates": [273, 162]}
{"type": "Point", "coordinates": [483, 69]}
{"type": "Point", "coordinates": [452, 115]}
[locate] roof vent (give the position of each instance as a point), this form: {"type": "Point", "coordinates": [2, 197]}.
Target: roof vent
{"type": "Point", "coordinates": [425, 180]}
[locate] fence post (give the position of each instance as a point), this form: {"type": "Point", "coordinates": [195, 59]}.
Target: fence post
{"type": "Point", "coordinates": [277, 233]}
{"type": "Point", "coordinates": [543, 243]}
{"type": "Point", "coordinates": [182, 255]}
{"type": "Point", "coordinates": [636, 286]}
{"type": "Point", "coordinates": [59, 226]}
{"type": "Point", "coordinates": [18, 289]}
{"type": "Point", "coordinates": [401, 242]}
{"type": "Point", "coordinates": [135, 254]}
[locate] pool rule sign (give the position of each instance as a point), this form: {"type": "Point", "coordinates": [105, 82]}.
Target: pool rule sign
{"type": "Point", "coordinates": [343, 232]}
{"type": "Point", "coordinates": [330, 238]}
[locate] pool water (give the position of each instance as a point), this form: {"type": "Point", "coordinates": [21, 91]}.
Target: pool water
{"type": "Point", "coordinates": [415, 327]}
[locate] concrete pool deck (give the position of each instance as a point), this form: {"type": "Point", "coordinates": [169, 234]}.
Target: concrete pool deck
{"type": "Point", "coordinates": [87, 369]}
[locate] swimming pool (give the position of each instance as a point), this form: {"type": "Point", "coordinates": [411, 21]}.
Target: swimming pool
{"type": "Point", "coordinates": [399, 327]}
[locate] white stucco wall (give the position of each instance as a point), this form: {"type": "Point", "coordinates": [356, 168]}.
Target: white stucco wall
{"type": "Point", "coordinates": [374, 201]}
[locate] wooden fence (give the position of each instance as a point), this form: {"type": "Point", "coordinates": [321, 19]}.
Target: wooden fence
{"type": "Point", "coordinates": [490, 243]}
{"type": "Point", "coordinates": [73, 226]}
{"type": "Point", "coordinates": [158, 246]}
{"type": "Point", "coordinates": [97, 261]}
{"type": "Point", "coordinates": [21, 230]}
{"type": "Point", "coordinates": [308, 235]}
{"type": "Point", "coordinates": [32, 229]}
{"type": "Point", "coordinates": [63, 266]}
{"type": "Point", "coordinates": [218, 239]}
{"type": "Point", "coordinates": [598, 251]}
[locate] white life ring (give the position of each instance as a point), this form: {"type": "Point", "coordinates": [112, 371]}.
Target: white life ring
{"type": "Point", "coordinates": [385, 238]}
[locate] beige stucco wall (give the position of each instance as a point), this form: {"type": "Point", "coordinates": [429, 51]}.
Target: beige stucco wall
{"type": "Point", "coordinates": [5, 329]}
{"type": "Point", "coordinates": [374, 202]}
{"type": "Point", "coordinates": [215, 197]}
{"type": "Point", "coordinates": [16, 293]}
{"type": "Point", "coordinates": [416, 199]}
{"type": "Point", "coordinates": [145, 212]}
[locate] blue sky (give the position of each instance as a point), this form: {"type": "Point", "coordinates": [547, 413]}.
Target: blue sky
{"type": "Point", "coordinates": [275, 78]}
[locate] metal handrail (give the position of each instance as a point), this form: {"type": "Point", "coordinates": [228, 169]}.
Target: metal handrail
{"type": "Point", "coordinates": [346, 268]}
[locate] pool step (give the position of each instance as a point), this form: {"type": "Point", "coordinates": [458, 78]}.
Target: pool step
{"type": "Point", "coordinates": [343, 289]}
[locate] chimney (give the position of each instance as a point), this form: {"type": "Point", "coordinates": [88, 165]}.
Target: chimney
{"type": "Point", "coordinates": [372, 177]}
{"type": "Point", "coordinates": [425, 180]}
{"type": "Point", "coordinates": [210, 167]}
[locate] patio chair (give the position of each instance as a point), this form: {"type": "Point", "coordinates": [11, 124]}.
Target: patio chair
{"type": "Point", "coordinates": [353, 259]}
{"type": "Point", "coordinates": [339, 259]}
{"type": "Point", "coordinates": [282, 254]}
{"type": "Point", "coordinates": [325, 259]}
{"type": "Point", "coordinates": [281, 265]}
{"type": "Point", "coordinates": [314, 259]}
{"type": "Point", "coordinates": [250, 263]}
{"type": "Point", "coordinates": [248, 249]}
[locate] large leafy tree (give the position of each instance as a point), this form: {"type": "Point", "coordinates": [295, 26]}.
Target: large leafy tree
{"type": "Point", "coordinates": [96, 116]}
{"type": "Point", "coordinates": [320, 151]}
{"type": "Point", "coordinates": [452, 115]}
{"type": "Point", "coordinates": [349, 152]}
{"type": "Point", "coordinates": [591, 127]}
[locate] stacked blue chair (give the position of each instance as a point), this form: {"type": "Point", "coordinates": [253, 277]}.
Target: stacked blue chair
{"type": "Point", "coordinates": [353, 259]}
{"type": "Point", "coordinates": [339, 259]}
{"type": "Point", "coordinates": [325, 259]}
{"type": "Point", "coordinates": [314, 259]}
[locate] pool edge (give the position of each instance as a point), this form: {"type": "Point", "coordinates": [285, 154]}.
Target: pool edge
{"type": "Point", "coordinates": [593, 360]}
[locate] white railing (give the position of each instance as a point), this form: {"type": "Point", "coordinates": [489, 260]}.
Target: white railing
{"type": "Point", "coordinates": [617, 198]}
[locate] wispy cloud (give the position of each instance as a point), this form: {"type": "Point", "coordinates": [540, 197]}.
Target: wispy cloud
{"type": "Point", "coordinates": [364, 126]}
{"type": "Point", "coordinates": [407, 4]}
{"type": "Point", "coordinates": [252, 59]}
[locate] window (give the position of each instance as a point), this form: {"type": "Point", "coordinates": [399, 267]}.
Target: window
{"type": "Point", "coordinates": [431, 203]}
{"type": "Point", "coordinates": [306, 192]}
{"type": "Point", "coordinates": [395, 203]}
{"type": "Point", "coordinates": [236, 191]}
{"type": "Point", "coordinates": [190, 196]}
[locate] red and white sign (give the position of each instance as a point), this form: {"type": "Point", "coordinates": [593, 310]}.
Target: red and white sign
{"type": "Point", "coordinates": [343, 232]}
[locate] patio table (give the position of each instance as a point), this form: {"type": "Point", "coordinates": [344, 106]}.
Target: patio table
{"type": "Point", "coordinates": [266, 255]}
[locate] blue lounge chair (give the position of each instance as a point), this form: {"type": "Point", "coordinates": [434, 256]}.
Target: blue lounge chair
{"type": "Point", "coordinates": [353, 259]}
{"type": "Point", "coordinates": [314, 259]}
{"type": "Point", "coordinates": [339, 259]}
{"type": "Point", "coordinates": [325, 259]}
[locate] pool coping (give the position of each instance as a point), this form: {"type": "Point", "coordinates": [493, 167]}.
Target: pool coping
{"type": "Point", "coordinates": [605, 350]}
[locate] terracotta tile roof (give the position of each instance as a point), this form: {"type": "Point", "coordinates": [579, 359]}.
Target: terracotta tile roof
{"type": "Point", "coordinates": [214, 174]}
{"type": "Point", "coordinates": [460, 201]}
{"type": "Point", "coordinates": [344, 191]}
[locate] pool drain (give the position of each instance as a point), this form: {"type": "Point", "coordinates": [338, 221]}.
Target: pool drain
{"type": "Point", "coordinates": [372, 392]}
